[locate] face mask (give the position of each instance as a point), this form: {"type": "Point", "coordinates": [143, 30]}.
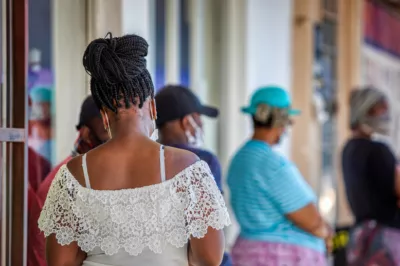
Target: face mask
{"type": "Point", "coordinates": [42, 147]}
{"type": "Point", "coordinates": [108, 128]}
{"type": "Point", "coordinates": [197, 140]}
{"type": "Point", "coordinates": [377, 124]}
{"type": "Point", "coordinates": [286, 134]}
{"type": "Point", "coordinates": [154, 135]}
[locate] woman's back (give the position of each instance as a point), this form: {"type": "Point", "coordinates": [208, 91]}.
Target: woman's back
{"type": "Point", "coordinates": [136, 221]}
{"type": "Point", "coordinates": [129, 164]}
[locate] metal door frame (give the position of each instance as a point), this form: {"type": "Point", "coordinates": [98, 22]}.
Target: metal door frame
{"type": "Point", "coordinates": [13, 132]}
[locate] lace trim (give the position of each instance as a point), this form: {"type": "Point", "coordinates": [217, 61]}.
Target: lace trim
{"type": "Point", "coordinates": [132, 219]}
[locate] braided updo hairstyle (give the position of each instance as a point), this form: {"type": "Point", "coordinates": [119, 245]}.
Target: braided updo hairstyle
{"type": "Point", "coordinates": [117, 67]}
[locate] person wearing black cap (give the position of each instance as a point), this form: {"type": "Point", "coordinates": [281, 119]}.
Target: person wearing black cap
{"type": "Point", "coordinates": [179, 124]}
{"type": "Point", "coordinates": [91, 134]}
{"type": "Point", "coordinates": [90, 127]}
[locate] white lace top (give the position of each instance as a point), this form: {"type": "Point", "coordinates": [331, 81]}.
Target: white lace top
{"type": "Point", "coordinates": [130, 223]}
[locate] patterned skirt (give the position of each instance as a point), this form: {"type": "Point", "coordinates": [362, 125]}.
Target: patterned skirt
{"type": "Point", "coordinates": [257, 253]}
{"type": "Point", "coordinates": [373, 244]}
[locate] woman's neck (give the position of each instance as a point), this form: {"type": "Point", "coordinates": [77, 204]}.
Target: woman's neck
{"type": "Point", "coordinates": [128, 127]}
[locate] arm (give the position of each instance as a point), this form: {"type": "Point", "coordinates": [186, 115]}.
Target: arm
{"type": "Point", "coordinates": [295, 199]}
{"type": "Point", "coordinates": [206, 215]}
{"type": "Point", "coordinates": [209, 250]}
{"type": "Point", "coordinates": [60, 224]}
{"type": "Point", "coordinates": [58, 255]}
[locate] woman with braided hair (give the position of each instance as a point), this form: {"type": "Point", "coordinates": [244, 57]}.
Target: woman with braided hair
{"type": "Point", "coordinates": [131, 201]}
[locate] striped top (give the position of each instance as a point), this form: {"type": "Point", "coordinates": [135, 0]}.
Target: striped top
{"type": "Point", "coordinates": [264, 187]}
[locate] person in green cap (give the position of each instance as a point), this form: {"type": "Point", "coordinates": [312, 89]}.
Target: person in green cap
{"type": "Point", "coordinates": [273, 204]}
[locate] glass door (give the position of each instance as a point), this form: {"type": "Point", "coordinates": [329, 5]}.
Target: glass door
{"type": "Point", "coordinates": [13, 189]}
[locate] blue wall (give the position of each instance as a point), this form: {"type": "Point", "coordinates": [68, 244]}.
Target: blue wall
{"type": "Point", "coordinates": [40, 30]}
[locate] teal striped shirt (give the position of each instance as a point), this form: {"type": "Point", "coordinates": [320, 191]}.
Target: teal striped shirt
{"type": "Point", "coordinates": [264, 187]}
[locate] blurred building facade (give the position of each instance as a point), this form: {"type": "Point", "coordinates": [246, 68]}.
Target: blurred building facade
{"type": "Point", "coordinates": [224, 50]}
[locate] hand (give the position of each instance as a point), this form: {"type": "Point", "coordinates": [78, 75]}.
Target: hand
{"type": "Point", "coordinates": [329, 240]}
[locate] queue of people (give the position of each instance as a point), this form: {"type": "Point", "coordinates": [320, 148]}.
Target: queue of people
{"type": "Point", "coordinates": [140, 189]}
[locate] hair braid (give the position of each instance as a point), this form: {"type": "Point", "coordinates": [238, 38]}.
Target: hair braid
{"type": "Point", "coordinates": [117, 67]}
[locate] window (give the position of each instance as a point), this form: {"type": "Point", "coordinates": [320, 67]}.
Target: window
{"type": "Point", "coordinates": [326, 91]}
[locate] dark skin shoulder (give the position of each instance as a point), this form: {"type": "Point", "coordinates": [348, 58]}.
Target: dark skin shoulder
{"type": "Point", "coordinates": [137, 165]}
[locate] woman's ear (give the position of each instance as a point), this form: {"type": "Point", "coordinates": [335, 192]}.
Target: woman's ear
{"type": "Point", "coordinates": [185, 124]}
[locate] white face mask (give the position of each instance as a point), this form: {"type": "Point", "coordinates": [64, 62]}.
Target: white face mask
{"type": "Point", "coordinates": [197, 140]}
{"type": "Point", "coordinates": [154, 135]}
{"type": "Point", "coordinates": [379, 124]}
{"type": "Point", "coordinates": [108, 128]}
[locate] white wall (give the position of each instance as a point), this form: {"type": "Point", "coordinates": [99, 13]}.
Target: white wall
{"type": "Point", "coordinates": [138, 17]}
{"type": "Point", "coordinates": [268, 50]}
{"type": "Point", "coordinates": [69, 42]}
{"type": "Point", "coordinates": [76, 24]}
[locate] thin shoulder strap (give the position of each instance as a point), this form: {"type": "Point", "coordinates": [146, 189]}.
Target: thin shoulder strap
{"type": "Point", "coordinates": [162, 163]}
{"type": "Point", "coordinates": [85, 171]}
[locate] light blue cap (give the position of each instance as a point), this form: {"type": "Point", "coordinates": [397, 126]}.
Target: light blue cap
{"type": "Point", "coordinates": [272, 96]}
{"type": "Point", "coordinates": [41, 94]}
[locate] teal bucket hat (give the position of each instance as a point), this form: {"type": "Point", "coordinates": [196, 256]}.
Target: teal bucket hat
{"type": "Point", "coordinates": [272, 96]}
{"type": "Point", "coordinates": [41, 95]}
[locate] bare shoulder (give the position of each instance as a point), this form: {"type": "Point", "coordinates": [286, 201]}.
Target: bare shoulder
{"type": "Point", "coordinates": [74, 166]}
{"type": "Point", "coordinates": [177, 160]}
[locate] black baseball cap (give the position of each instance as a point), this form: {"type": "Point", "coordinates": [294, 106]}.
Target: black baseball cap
{"type": "Point", "coordinates": [175, 102]}
{"type": "Point", "coordinates": [89, 110]}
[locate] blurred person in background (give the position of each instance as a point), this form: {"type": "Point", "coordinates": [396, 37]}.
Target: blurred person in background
{"type": "Point", "coordinates": [38, 169]}
{"type": "Point", "coordinates": [34, 258]}
{"type": "Point", "coordinates": [131, 201]}
{"type": "Point", "coordinates": [40, 138]}
{"type": "Point", "coordinates": [179, 123]}
{"type": "Point", "coordinates": [372, 180]}
{"type": "Point", "coordinates": [273, 204]}
{"type": "Point", "coordinates": [91, 134]}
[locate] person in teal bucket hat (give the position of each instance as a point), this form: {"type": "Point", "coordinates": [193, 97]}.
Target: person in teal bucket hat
{"type": "Point", "coordinates": [40, 137]}
{"type": "Point", "coordinates": [273, 204]}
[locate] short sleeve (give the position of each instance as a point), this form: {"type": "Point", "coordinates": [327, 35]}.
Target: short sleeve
{"type": "Point", "coordinates": [57, 216]}
{"type": "Point", "coordinates": [382, 167]}
{"type": "Point", "coordinates": [206, 206]}
{"type": "Point", "coordinates": [288, 189]}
